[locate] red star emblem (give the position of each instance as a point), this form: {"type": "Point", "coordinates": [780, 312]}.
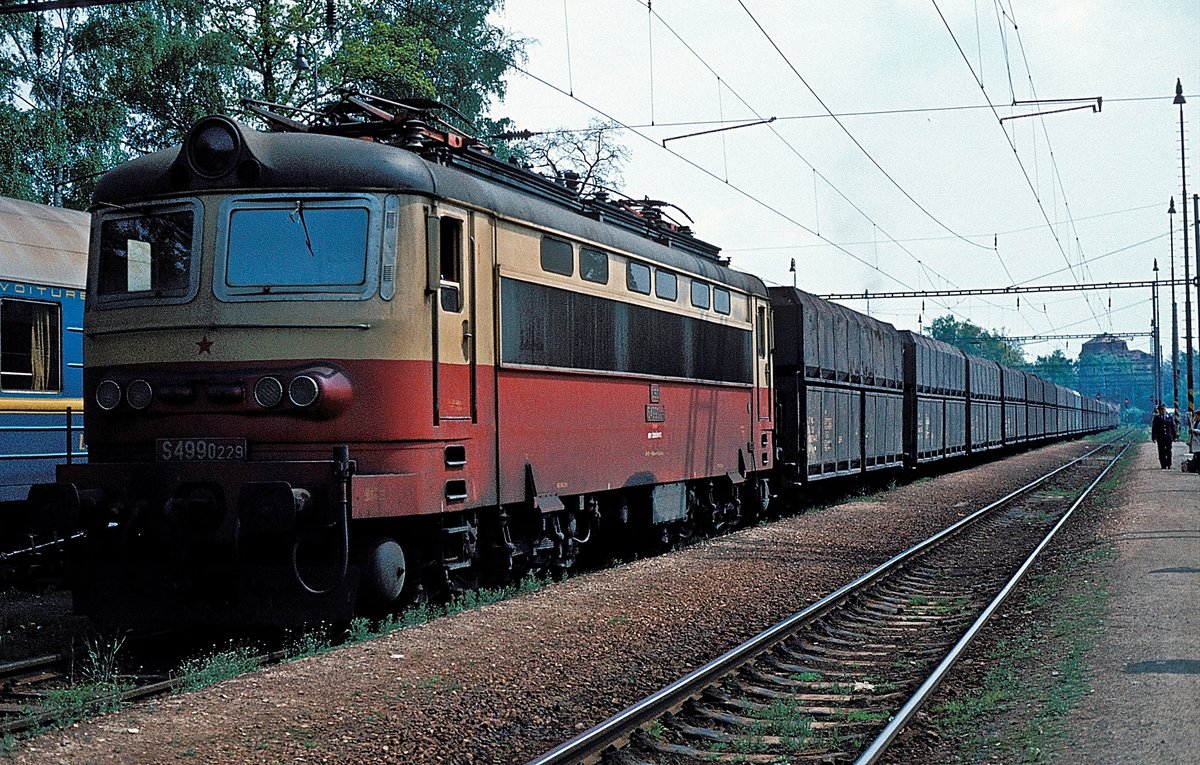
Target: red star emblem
{"type": "Point", "coordinates": [205, 345]}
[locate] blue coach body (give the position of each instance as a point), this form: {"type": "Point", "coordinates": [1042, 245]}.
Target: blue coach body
{"type": "Point", "coordinates": [43, 257]}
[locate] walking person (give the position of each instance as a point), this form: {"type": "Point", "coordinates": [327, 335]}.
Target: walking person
{"type": "Point", "coordinates": [1163, 432]}
{"type": "Point", "coordinates": [1192, 465]}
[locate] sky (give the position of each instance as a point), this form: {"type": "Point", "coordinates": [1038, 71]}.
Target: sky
{"type": "Point", "coordinates": [914, 183]}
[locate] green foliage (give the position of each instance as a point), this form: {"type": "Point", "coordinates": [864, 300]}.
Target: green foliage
{"type": "Point", "coordinates": [386, 61]}
{"type": "Point", "coordinates": [69, 705]}
{"type": "Point", "coordinates": [203, 671]}
{"type": "Point", "coordinates": [108, 82]}
{"type": "Point", "coordinates": [977, 341]}
{"type": "Point", "coordinates": [100, 661]}
{"type": "Point", "coordinates": [1056, 368]}
{"type": "Point", "coordinates": [360, 630]}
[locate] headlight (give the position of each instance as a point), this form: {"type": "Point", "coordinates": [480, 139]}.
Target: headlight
{"type": "Point", "coordinates": [268, 392]}
{"type": "Point", "coordinates": [303, 390]}
{"type": "Point", "coordinates": [108, 395]}
{"type": "Point", "coordinates": [139, 394]}
{"type": "Point", "coordinates": [213, 147]}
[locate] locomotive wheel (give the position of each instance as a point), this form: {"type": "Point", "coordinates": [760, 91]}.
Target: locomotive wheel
{"type": "Point", "coordinates": [385, 571]}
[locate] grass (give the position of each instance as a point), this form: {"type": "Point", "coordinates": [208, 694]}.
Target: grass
{"type": "Point", "coordinates": [782, 718]}
{"type": "Point", "coordinates": [1038, 675]}
{"type": "Point", "coordinates": [1042, 669]}
{"type": "Point", "coordinates": [203, 671]}
{"type": "Point", "coordinates": [99, 692]}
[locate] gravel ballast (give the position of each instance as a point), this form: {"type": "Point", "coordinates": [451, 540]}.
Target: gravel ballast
{"type": "Point", "coordinates": [503, 683]}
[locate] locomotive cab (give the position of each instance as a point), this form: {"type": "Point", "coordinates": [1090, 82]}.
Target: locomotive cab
{"type": "Point", "coordinates": [323, 369]}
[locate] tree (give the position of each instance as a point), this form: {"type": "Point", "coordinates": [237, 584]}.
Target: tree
{"type": "Point", "coordinates": [977, 341]}
{"type": "Point", "coordinates": [164, 65]}
{"type": "Point", "coordinates": [93, 87]}
{"type": "Point", "coordinates": [1056, 368]}
{"type": "Point", "coordinates": [593, 155]}
{"type": "Point", "coordinates": [65, 131]}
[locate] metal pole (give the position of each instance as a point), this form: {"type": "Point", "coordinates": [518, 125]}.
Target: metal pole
{"type": "Point", "coordinates": [1196, 232]}
{"type": "Point", "coordinates": [1156, 399]}
{"type": "Point", "coordinates": [1187, 293]}
{"type": "Point", "coordinates": [1174, 317]}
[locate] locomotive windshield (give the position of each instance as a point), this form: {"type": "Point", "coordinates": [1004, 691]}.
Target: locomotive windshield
{"type": "Point", "coordinates": [272, 247]}
{"type": "Point", "coordinates": [146, 253]}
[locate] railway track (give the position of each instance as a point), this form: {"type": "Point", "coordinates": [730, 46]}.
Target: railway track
{"type": "Point", "coordinates": [837, 681]}
{"type": "Point", "coordinates": [55, 689]}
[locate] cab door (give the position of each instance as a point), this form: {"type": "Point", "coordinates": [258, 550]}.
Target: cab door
{"type": "Point", "coordinates": [452, 260]}
{"type": "Point", "coordinates": [763, 399]}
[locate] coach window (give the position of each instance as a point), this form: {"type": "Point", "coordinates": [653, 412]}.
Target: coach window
{"type": "Point", "coordinates": [557, 256]}
{"type": "Point", "coordinates": [30, 346]}
{"type": "Point", "coordinates": [638, 278]}
{"type": "Point", "coordinates": [451, 240]}
{"type": "Point", "coordinates": [593, 265]}
{"type": "Point", "coordinates": [666, 285]}
{"type": "Point", "coordinates": [721, 300]}
{"type": "Point", "coordinates": [700, 296]}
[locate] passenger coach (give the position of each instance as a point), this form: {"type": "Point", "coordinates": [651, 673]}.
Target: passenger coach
{"type": "Point", "coordinates": [43, 254]}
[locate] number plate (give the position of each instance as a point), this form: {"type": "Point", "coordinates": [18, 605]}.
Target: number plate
{"type": "Point", "coordinates": [200, 449]}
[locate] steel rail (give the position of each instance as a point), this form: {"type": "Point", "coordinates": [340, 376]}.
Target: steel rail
{"type": "Point", "coordinates": [873, 752]}
{"type": "Point", "coordinates": [595, 740]}
{"type": "Point", "coordinates": [93, 705]}
{"type": "Point", "coordinates": [35, 662]}
{"type": "Point", "coordinates": [34, 547]}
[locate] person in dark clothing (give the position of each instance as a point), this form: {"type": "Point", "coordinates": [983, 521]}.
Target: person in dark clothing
{"type": "Point", "coordinates": [1163, 432]}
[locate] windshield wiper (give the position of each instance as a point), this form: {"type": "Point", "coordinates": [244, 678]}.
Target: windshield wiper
{"type": "Point", "coordinates": [298, 214]}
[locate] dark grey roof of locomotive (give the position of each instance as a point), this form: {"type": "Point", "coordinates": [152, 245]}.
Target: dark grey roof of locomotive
{"type": "Point", "coordinates": [324, 162]}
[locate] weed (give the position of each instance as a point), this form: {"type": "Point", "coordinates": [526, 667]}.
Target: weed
{"type": "Point", "coordinates": [1042, 699]}
{"type": "Point", "coordinates": [783, 718]}
{"type": "Point", "coordinates": [69, 705]}
{"type": "Point", "coordinates": [360, 630]}
{"type": "Point", "coordinates": [203, 671]}
{"type": "Point", "coordinates": [865, 715]}
{"type": "Point", "coordinates": [310, 643]}
{"type": "Point", "coordinates": [747, 744]}
{"type": "Point", "coordinates": [100, 663]}
{"type": "Point", "coordinates": [435, 683]}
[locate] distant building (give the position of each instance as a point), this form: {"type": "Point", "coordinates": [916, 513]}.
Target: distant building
{"type": "Point", "coordinates": [1108, 368]}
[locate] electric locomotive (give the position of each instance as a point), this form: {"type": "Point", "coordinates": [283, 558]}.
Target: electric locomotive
{"type": "Point", "coordinates": [343, 362]}
{"type": "Point", "coordinates": [42, 263]}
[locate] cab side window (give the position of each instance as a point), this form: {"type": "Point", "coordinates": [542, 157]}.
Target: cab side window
{"type": "Point", "coordinates": [451, 242]}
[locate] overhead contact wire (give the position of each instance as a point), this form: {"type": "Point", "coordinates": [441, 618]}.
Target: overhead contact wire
{"type": "Point", "coordinates": [816, 172]}
{"type": "Point", "coordinates": [850, 135]}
